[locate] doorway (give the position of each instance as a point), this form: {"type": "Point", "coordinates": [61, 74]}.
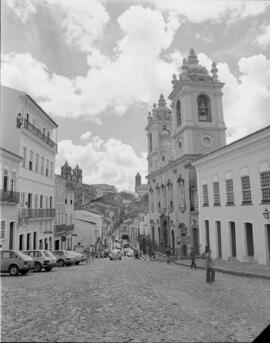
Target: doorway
{"type": "Point", "coordinates": [233, 239]}
{"type": "Point", "coordinates": [173, 242]}
{"type": "Point", "coordinates": [11, 235]}
{"type": "Point", "coordinates": [268, 240]}
{"type": "Point", "coordinates": [219, 245]}
{"type": "Point", "coordinates": [195, 236]}
{"type": "Point", "coordinates": [249, 239]}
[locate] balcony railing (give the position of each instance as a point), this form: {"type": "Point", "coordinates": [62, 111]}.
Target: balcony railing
{"type": "Point", "coordinates": [10, 197]}
{"type": "Point", "coordinates": [30, 127]}
{"type": "Point", "coordinates": [70, 227]}
{"type": "Point", "coordinates": [36, 213]}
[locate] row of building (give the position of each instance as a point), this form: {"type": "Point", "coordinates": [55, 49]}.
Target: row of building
{"type": "Point", "coordinates": [203, 192]}
{"type": "Point", "coordinates": [41, 210]}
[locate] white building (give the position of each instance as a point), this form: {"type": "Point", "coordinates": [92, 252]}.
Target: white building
{"type": "Point", "coordinates": [9, 171]}
{"type": "Point", "coordinates": [30, 133]}
{"type": "Point", "coordinates": [88, 228]}
{"type": "Point", "coordinates": [234, 199]}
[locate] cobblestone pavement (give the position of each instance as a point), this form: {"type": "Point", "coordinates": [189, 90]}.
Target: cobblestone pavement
{"type": "Point", "coordinates": [132, 301]}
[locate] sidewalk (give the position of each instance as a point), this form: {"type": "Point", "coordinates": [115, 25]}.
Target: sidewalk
{"type": "Point", "coordinates": [233, 267]}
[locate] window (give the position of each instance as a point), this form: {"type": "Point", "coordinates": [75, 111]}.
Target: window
{"type": "Point", "coordinates": [5, 182]}
{"type": "Point", "coordinates": [204, 108]}
{"type": "Point", "coordinates": [51, 202]}
{"type": "Point", "coordinates": [229, 192]}
{"type": "Point", "coordinates": [36, 200]}
{"type": "Point", "coordinates": [46, 202]}
{"type": "Point", "coordinates": [24, 156]}
{"type": "Point", "coordinates": [216, 194]}
{"type": "Point", "coordinates": [65, 201]}
{"type": "Point", "coordinates": [22, 199]}
{"type": "Point", "coordinates": [265, 185]}
{"type": "Point", "coordinates": [31, 160]}
{"type": "Point", "coordinates": [47, 168]}
{"type": "Point", "coordinates": [178, 113]}
{"type": "Point", "coordinates": [246, 191]}
{"type": "Point", "coordinates": [41, 201]}
{"type": "Point", "coordinates": [70, 201]}
{"type": "Point", "coordinates": [205, 196]}
{"type": "Point", "coordinates": [51, 171]}
{"type": "Point", "coordinates": [3, 229]}
{"type": "Point", "coordinates": [37, 162]}
{"type": "Point", "coordinates": [150, 141]}
{"type": "Point", "coordinates": [42, 166]}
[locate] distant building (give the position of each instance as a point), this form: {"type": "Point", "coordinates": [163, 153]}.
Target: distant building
{"type": "Point", "coordinates": [140, 189]}
{"type": "Point", "coordinates": [31, 133]}
{"type": "Point", "coordinates": [88, 228]}
{"type": "Point", "coordinates": [103, 189]}
{"type": "Point", "coordinates": [64, 218]}
{"type": "Point", "coordinates": [234, 199]}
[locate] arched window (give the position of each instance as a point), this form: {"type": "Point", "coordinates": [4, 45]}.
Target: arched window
{"type": "Point", "coordinates": [150, 142]}
{"type": "Point", "coordinates": [178, 113]}
{"type": "Point", "coordinates": [204, 107]}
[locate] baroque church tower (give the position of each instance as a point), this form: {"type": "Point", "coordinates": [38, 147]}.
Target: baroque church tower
{"type": "Point", "coordinates": [198, 124]}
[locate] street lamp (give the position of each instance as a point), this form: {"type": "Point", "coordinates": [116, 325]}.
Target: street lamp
{"type": "Point", "coordinates": [266, 214]}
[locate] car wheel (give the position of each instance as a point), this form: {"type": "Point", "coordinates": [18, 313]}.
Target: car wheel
{"type": "Point", "coordinates": [24, 272]}
{"type": "Point", "coordinates": [37, 267]}
{"type": "Point", "coordinates": [77, 263]}
{"type": "Point", "coordinates": [13, 270]}
{"type": "Point", "coordinates": [48, 269]}
{"type": "Point", "coordinates": [60, 263]}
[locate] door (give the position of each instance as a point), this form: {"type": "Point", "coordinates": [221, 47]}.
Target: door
{"type": "Point", "coordinates": [11, 235]}
{"type": "Point", "coordinates": [195, 235]}
{"type": "Point", "coordinates": [219, 246]}
{"type": "Point", "coordinates": [249, 239]}
{"type": "Point", "coordinates": [233, 239]}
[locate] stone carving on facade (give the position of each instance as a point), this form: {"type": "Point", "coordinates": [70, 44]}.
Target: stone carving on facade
{"type": "Point", "coordinates": [19, 120]}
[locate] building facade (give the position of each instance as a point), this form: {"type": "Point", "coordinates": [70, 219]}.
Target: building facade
{"type": "Point", "coordinates": [193, 126]}
{"type": "Point", "coordinates": [234, 199]}
{"type": "Point", "coordinates": [64, 218]}
{"type": "Point", "coordinates": [31, 133]}
{"type": "Point", "coordinates": [10, 197]}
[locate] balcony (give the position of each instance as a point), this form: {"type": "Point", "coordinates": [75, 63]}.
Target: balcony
{"type": "Point", "coordinates": [70, 227]}
{"type": "Point", "coordinates": [30, 127]}
{"type": "Point", "coordinates": [10, 197]}
{"type": "Point", "coordinates": [27, 213]}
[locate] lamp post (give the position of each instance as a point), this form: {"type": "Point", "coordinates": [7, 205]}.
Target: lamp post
{"type": "Point", "coordinates": [266, 214]}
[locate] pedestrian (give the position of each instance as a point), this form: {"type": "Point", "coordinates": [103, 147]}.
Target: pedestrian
{"type": "Point", "coordinates": [168, 253]}
{"type": "Point", "coordinates": [210, 271]}
{"type": "Point", "coordinates": [93, 254]}
{"type": "Point", "coordinates": [88, 255]}
{"type": "Point", "coordinates": [192, 257]}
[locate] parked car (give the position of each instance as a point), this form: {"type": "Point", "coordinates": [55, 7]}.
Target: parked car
{"type": "Point", "coordinates": [42, 259]}
{"type": "Point", "coordinates": [130, 253]}
{"type": "Point", "coordinates": [15, 262]}
{"type": "Point", "coordinates": [78, 257]}
{"type": "Point", "coordinates": [63, 258]}
{"type": "Point", "coordinates": [115, 254]}
{"type": "Point", "coordinates": [125, 244]}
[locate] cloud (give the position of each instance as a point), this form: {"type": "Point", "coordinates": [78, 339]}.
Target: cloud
{"type": "Point", "coordinates": [203, 10]}
{"type": "Point", "coordinates": [136, 73]}
{"type": "Point", "coordinates": [264, 38]}
{"type": "Point", "coordinates": [111, 162]}
{"type": "Point", "coordinates": [246, 100]}
{"type": "Point", "coordinates": [85, 136]}
{"type": "Point", "coordinates": [23, 10]}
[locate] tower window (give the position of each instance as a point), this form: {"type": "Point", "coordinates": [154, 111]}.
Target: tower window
{"type": "Point", "coordinates": [178, 113]}
{"type": "Point", "coordinates": [150, 141]}
{"type": "Point", "coordinates": [204, 108]}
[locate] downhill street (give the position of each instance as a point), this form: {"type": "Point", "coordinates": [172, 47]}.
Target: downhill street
{"type": "Point", "coordinates": [132, 300]}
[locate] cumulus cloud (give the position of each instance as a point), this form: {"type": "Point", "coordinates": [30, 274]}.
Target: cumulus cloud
{"type": "Point", "coordinates": [246, 100]}
{"type": "Point", "coordinates": [136, 73]}
{"type": "Point", "coordinates": [85, 136]}
{"type": "Point", "coordinates": [198, 11]}
{"type": "Point", "coordinates": [23, 10]}
{"type": "Point", "coordinates": [264, 37]}
{"type": "Point", "coordinates": [111, 162]}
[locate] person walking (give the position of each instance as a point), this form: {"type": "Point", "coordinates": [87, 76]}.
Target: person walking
{"type": "Point", "coordinates": [192, 257]}
{"type": "Point", "coordinates": [87, 252]}
{"type": "Point", "coordinates": [168, 253]}
{"type": "Point", "coordinates": [210, 271]}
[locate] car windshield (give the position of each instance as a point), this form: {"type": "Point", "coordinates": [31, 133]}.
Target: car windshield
{"type": "Point", "coordinates": [46, 253]}
{"type": "Point", "coordinates": [20, 253]}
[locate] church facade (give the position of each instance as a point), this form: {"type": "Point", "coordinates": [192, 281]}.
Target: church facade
{"type": "Point", "coordinates": [192, 127]}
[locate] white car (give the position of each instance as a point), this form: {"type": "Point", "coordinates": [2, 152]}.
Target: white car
{"type": "Point", "coordinates": [115, 254]}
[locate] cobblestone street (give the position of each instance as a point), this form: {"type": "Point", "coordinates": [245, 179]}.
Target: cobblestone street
{"type": "Point", "coordinates": [132, 301]}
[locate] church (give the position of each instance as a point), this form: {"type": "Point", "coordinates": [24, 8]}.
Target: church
{"type": "Point", "coordinates": [191, 127]}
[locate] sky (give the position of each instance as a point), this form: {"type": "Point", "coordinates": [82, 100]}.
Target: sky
{"type": "Point", "coordinates": [97, 66]}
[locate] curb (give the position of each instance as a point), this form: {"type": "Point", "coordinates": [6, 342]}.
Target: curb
{"type": "Point", "coordinates": [233, 272]}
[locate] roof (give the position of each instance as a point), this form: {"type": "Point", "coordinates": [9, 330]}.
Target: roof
{"type": "Point", "coordinates": [11, 153]}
